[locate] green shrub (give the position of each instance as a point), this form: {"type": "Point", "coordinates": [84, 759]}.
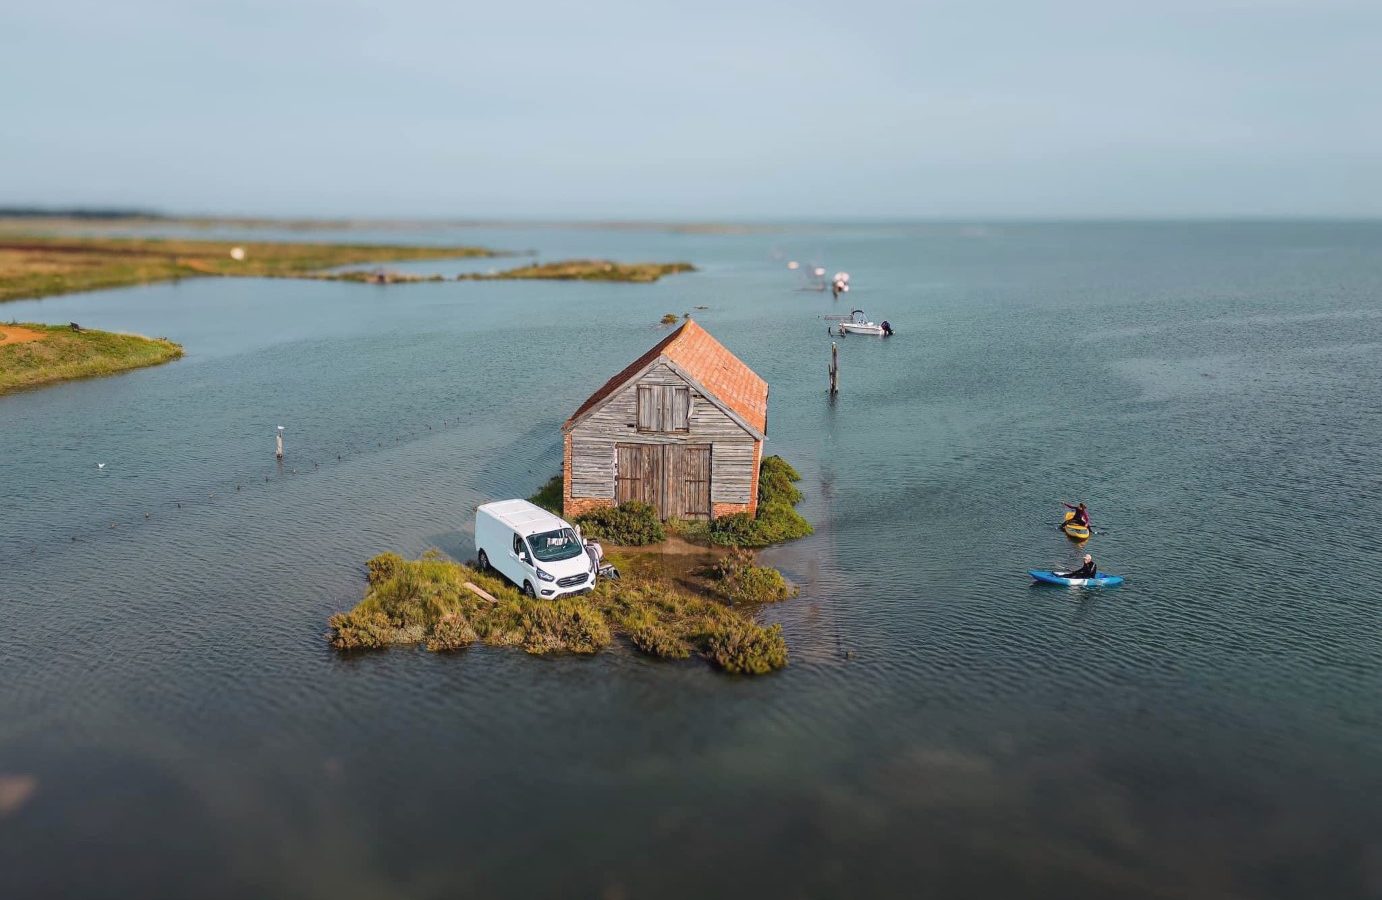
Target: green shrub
{"type": "Point", "coordinates": [383, 567]}
{"type": "Point", "coordinates": [775, 523]}
{"type": "Point", "coordinates": [779, 522]}
{"type": "Point", "coordinates": [549, 496]}
{"type": "Point", "coordinates": [630, 524]}
{"type": "Point", "coordinates": [746, 648]}
{"type": "Point", "coordinates": [777, 482]}
{"type": "Point", "coordinates": [732, 564]}
{"type": "Point", "coordinates": [733, 530]}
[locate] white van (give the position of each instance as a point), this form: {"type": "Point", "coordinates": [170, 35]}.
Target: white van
{"type": "Point", "coordinates": [539, 552]}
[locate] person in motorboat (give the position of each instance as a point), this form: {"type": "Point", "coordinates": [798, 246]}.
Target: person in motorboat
{"type": "Point", "coordinates": [1088, 570]}
{"type": "Point", "coordinates": [887, 329]}
{"type": "Point", "coordinates": [1081, 516]}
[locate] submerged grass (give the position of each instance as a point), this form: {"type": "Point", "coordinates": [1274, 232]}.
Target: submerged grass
{"type": "Point", "coordinates": [426, 602]}
{"type": "Point", "coordinates": [585, 270]}
{"type": "Point", "coordinates": [41, 266]}
{"type": "Point", "coordinates": [61, 354]}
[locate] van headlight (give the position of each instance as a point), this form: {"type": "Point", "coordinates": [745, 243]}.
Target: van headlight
{"type": "Point", "coordinates": [545, 576]}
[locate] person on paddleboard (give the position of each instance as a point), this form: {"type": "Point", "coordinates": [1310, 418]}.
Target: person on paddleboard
{"type": "Point", "coordinates": [1088, 570]}
{"type": "Point", "coordinates": [1081, 514]}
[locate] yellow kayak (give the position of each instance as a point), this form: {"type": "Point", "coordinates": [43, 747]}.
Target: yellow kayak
{"type": "Point", "coordinates": [1073, 531]}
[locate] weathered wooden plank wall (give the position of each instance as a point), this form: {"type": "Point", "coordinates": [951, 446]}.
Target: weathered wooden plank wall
{"type": "Point", "coordinates": [593, 440]}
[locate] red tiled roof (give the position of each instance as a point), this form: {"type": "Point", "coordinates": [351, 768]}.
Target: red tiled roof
{"type": "Point", "coordinates": [707, 361]}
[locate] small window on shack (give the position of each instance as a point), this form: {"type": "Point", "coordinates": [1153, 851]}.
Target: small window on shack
{"type": "Point", "coordinates": [664, 407]}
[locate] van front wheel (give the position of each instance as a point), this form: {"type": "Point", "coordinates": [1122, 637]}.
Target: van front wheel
{"type": "Point", "coordinates": [528, 589]}
{"type": "Point", "coordinates": [483, 561]}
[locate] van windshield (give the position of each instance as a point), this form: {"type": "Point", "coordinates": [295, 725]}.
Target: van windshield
{"type": "Point", "coordinates": [554, 546]}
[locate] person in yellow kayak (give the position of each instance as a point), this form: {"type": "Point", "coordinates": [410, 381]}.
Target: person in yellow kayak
{"type": "Point", "coordinates": [1081, 516]}
{"type": "Point", "coordinates": [1088, 570]}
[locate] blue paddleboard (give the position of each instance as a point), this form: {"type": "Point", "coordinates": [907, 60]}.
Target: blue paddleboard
{"type": "Point", "coordinates": [1096, 581]}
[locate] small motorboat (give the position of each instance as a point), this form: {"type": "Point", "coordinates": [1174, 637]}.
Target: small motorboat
{"type": "Point", "coordinates": [858, 323]}
{"type": "Point", "coordinates": [1073, 531]}
{"type": "Point", "coordinates": [1046, 577]}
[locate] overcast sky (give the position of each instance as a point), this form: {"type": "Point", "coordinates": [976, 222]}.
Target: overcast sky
{"type": "Point", "coordinates": [696, 109]}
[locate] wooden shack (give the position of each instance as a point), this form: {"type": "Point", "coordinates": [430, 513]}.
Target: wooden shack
{"type": "Point", "coordinates": [682, 427]}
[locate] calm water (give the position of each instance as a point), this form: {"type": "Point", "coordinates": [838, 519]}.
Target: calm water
{"type": "Point", "coordinates": [1211, 729]}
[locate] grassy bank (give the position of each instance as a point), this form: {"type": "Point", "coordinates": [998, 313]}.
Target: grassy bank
{"type": "Point", "coordinates": [32, 355]}
{"type": "Point", "coordinates": [40, 266]}
{"type": "Point", "coordinates": [585, 270]}
{"type": "Point", "coordinates": [426, 602]}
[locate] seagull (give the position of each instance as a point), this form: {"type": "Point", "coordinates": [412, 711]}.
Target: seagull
{"type": "Point", "coordinates": [100, 465]}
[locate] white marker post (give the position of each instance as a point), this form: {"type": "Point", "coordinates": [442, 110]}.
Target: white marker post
{"type": "Point", "coordinates": [278, 443]}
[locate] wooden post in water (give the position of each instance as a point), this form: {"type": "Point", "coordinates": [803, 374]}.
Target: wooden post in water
{"type": "Point", "coordinates": [834, 368]}
{"type": "Point", "coordinates": [278, 443]}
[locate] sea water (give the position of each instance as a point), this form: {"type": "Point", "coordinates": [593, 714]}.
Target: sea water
{"type": "Point", "coordinates": [173, 723]}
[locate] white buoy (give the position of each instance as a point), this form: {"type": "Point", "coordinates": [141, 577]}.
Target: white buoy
{"type": "Point", "coordinates": [278, 443]}
{"type": "Point", "coordinates": [237, 253]}
{"type": "Point", "coordinates": [794, 265]}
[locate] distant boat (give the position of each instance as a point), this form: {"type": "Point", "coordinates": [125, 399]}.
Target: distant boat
{"type": "Point", "coordinates": [858, 323]}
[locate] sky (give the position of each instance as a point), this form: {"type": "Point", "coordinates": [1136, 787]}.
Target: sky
{"type": "Point", "coordinates": [697, 109]}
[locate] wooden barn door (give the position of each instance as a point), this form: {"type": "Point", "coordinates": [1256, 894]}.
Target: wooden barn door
{"type": "Point", "coordinates": [641, 474]}
{"type": "Point", "coordinates": [674, 478]}
{"type": "Point", "coordinates": [690, 481]}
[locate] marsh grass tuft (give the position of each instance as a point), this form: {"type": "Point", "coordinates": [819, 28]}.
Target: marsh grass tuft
{"type": "Point", "coordinates": [383, 567]}
{"type": "Point", "coordinates": [747, 649]}
{"type": "Point", "coordinates": [740, 581]}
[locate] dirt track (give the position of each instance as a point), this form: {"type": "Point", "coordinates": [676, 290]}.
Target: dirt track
{"type": "Point", "coordinates": [13, 334]}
